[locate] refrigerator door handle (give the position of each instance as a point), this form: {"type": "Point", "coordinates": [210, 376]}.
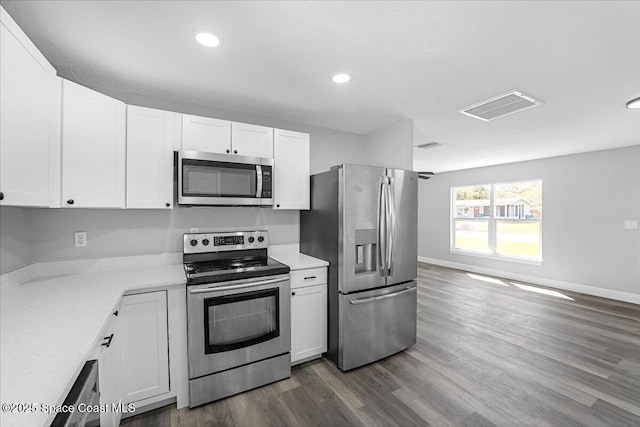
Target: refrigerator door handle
{"type": "Point", "coordinates": [381, 232]}
{"type": "Point", "coordinates": [391, 225]}
{"type": "Point", "coordinates": [393, 295]}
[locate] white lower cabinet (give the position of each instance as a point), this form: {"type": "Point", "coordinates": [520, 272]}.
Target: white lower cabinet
{"type": "Point", "coordinates": [109, 379]}
{"type": "Point", "coordinates": [308, 315]}
{"type": "Point", "coordinates": [145, 346]}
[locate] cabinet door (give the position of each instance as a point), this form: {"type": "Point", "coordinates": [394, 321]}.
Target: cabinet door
{"type": "Point", "coordinates": [109, 375]}
{"type": "Point", "coordinates": [93, 148]}
{"type": "Point", "coordinates": [30, 121]}
{"type": "Point", "coordinates": [308, 322]}
{"type": "Point", "coordinates": [145, 348]}
{"type": "Point", "coordinates": [251, 140]}
{"type": "Point", "coordinates": [149, 158]}
{"type": "Point", "coordinates": [206, 134]}
{"type": "Point", "coordinates": [291, 175]}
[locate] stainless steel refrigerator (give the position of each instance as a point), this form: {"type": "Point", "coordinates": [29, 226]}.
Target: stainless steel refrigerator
{"type": "Point", "coordinates": [364, 221]}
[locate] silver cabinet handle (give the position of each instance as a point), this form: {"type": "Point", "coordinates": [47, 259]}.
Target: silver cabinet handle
{"type": "Point", "coordinates": [309, 277]}
{"type": "Point", "coordinates": [393, 295]}
{"type": "Point", "coordinates": [239, 286]}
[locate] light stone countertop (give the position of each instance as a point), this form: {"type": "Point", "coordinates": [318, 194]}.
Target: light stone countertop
{"type": "Point", "coordinates": [48, 327]}
{"type": "Point", "coordinates": [290, 255]}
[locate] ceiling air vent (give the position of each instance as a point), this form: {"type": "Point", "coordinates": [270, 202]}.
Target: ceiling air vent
{"type": "Point", "coordinates": [425, 175]}
{"type": "Point", "coordinates": [500, 106]}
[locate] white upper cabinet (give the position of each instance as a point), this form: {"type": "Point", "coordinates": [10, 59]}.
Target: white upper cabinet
{"type": "Point", "coordinates": [29, 123]}
{"type": "Point", "coordinates": [225, 137]}
{"type": "Point", "coordinates": [251, 140]}
{"type": "Point", "coordinates": [206, 134]}
{"type": "Point", "coordinates": [291, 175]}
{"type": "Point", "coordinates": [93, 148]}
{"type": "Point", "coordinates": [150, 141]}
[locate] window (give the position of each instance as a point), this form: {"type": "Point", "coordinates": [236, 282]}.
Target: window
{"type": "Point", "coordinates": [502, 220]}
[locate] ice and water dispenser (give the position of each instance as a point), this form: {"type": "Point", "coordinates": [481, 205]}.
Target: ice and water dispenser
{"type": "Point", "coordinates": [365, 251]}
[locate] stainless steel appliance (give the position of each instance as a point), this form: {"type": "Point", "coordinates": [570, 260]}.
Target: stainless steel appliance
{"type": "Point", "coordinates": [364, 221]}
{"type": "Point", "coordinates": [84, 391]}
{"type": "Point", "coordinates": [224, 179]}
{"type": "Point", "coordinates": [239, 314]}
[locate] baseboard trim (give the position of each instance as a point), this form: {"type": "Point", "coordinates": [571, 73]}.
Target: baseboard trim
{"type": "Point", "coordinates": [543, 281]}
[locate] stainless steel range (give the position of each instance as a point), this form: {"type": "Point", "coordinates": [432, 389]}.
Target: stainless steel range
{"type": "Point", "coordinates": [239, 314]}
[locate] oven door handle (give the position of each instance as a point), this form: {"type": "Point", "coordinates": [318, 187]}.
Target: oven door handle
{"type": "Point", "coordinates": [239, 286]}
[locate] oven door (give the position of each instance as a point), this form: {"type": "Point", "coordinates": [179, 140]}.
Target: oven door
{"type": "Point", "coordinates": [234, 323]}
{"type": "Point", "coordinates": [220, 179]}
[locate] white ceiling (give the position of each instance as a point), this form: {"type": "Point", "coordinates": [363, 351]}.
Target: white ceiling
{"type": "Point", "coordinates": [417, 60]}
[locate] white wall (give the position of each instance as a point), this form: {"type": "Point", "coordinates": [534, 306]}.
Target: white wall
{"type": "Point", "coordinates": [390, 146]}
{"type": "Point", "coordinates": [586, 198]}
{"type": "Point", "coordinates": [16, 238]}
{"type": "Point", "coordinates": [126, 232]}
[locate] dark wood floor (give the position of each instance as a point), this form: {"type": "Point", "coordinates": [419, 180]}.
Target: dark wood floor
{"type": "Point", "coordinates": [487, 354]}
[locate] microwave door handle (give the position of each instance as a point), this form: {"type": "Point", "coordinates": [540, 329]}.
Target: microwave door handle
{"type": "Point", "coordinates": [259, 183]}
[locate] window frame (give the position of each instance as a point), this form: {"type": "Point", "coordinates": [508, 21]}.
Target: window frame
{"type": "Point", "coordinates": [492, 226]}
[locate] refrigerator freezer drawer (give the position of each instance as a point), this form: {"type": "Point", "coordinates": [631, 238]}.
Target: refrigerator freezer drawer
{"type": "Point", "coordinates": [376, 324]}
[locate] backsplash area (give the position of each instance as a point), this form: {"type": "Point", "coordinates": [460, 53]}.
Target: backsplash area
{"type": "Point", "coordinates": [37, 235]}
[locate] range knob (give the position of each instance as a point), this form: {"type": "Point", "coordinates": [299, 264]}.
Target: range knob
{"type": "Point", "coordinates": [205, 242]}
{"type": "Point", "coordinates": [193, 242]}
{"type": "Point", "coordinates": [251, 240]}
{"type": "Point", "coordinates": [260, 239]}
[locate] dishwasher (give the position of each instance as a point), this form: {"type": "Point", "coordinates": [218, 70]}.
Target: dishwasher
{"type": "Point", "coordinates": [84, 391]}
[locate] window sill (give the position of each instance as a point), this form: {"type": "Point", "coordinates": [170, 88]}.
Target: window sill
{"type": "Point", "coordinates": [530, 261]}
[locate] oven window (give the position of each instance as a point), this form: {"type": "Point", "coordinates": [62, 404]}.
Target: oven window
{"type": "Point", "coordinates": [201, 178]}
{"type": "Point", "coordinates": [238, 321]}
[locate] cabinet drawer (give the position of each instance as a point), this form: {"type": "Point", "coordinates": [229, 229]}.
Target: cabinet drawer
{"type": "Point", "coordinates": [308, 277]}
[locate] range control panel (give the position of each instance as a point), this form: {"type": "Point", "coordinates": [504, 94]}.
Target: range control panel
{"type": "Point", "coordinates": [195, 243]}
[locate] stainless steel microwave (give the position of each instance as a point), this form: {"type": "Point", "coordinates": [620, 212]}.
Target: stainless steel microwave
{"type": "Point", "coordinates": [210, 179]}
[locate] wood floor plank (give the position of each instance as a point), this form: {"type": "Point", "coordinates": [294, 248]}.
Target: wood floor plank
{"type": "Point", "coordinates": [487, 354]}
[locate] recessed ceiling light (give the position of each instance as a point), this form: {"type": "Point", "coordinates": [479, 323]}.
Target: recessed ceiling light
{"type": "Point", "coordinates": [634, 104]}
{"type": "Point", "coordinates": [207, 39]}
{"type": "Point", "coordinates": [341, 78]}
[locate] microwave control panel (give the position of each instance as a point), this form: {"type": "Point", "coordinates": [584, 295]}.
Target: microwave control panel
{"type": "Point", "coordinates": [266, 182]}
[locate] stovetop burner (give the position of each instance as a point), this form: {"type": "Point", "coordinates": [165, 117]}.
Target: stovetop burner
{"type": "Point", "coordinates": [232, 256]}
{"type": "Point", "coordinates": [213, 266]}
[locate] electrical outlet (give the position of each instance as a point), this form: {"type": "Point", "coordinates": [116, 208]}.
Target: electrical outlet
{"type": "Point", "coordinates": [630, 224]}
{"type": "Point", "coordinates": [80, 239]}
{"type": "Point", "coordinates": [193, 230]}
